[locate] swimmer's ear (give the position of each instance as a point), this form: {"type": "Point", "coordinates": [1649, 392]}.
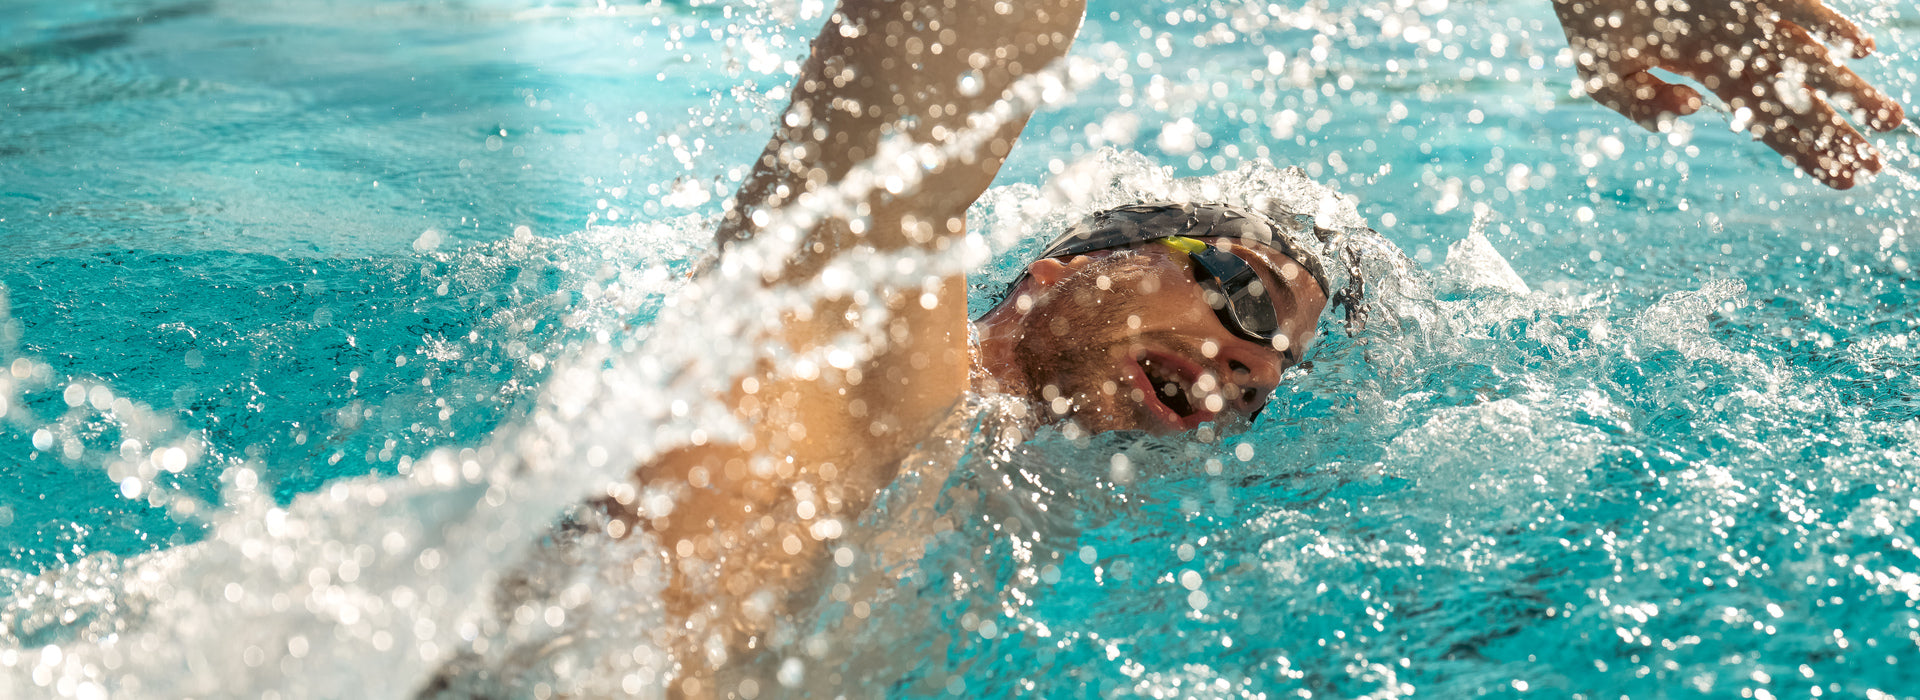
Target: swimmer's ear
{"type": "Point", "coordinates": [1047, 272]}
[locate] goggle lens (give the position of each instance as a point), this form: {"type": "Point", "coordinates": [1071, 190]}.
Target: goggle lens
{"type": "Point", "coordinates": [1235, 291]}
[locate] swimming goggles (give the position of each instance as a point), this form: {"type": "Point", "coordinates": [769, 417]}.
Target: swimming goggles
{"type": "Point", "coordinates": [1236, 293]}
{"type": "Point", "coordinates": [1234, 290]}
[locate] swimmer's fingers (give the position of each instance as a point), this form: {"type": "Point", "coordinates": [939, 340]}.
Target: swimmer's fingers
{"type": "Point", "coordinates": [1647, 100]}
{"type": "Point", "coordinates": [1825, 146]}
{"type": "Point", "coordinates": [1613, 58]}
{"type": "Point", "coordinates": [1808, 132]}
{"type": "Point", "coordinates": [1830, 26]}
{"type": "Point", "coordinates": [1822, 74]}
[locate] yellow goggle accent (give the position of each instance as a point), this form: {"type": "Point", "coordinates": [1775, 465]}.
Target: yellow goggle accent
{"type": "Point", "coordinates": [1184, 244]}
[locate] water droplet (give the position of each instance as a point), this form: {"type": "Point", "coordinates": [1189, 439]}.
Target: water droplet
{"type": "Point", "coordinates": [428, 241]}
{"type": "Point", "coordinates": [791, 673]}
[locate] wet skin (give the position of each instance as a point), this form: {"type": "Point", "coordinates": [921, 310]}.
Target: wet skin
{"type": "Point", "coordinates": [1125, 340]}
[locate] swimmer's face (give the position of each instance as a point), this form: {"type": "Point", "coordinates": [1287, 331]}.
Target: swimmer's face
{"type": "Point", "coordinates": [1127, 339]}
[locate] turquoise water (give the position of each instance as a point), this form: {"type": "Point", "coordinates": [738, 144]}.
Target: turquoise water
{"type": "Point", "coordinates": [1680, 463]}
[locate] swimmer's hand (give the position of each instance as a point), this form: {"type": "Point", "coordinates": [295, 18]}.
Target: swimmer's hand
{"type": "Point", "coordinates": [1765, 58]}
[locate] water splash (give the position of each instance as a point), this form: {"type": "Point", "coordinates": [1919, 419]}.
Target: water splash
{"type": "Point", "coordinates": [1638, 479]}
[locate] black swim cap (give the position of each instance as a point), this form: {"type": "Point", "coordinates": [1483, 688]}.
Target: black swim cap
{"type": "Point", "coordinates": [1150, 221]}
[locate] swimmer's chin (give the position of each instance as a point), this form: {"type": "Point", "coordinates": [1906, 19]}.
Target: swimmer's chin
{"type": "Point", "coordinates": [1135, 419]}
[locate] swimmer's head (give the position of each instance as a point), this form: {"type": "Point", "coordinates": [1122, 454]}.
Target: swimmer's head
{"type": "Point", "coordinates": [1158, 317]}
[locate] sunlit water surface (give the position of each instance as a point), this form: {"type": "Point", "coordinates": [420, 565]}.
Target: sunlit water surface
{"type": "Point", "coordinates": [321, 313]}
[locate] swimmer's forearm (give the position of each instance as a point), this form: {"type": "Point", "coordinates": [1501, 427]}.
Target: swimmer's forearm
{"type": "Point", "coordinates": [919, 68]}
{"type": "Point", "coordinates": [752, 522]}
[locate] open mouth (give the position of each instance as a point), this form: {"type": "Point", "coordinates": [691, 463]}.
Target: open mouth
{"type": "Point", "coordinates": [1168, 387]}
{"type": "Point", "coordinates": [1171, 382]}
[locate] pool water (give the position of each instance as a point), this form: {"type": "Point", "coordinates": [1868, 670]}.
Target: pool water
{"type": "Point", "coordinates": [319, 314]}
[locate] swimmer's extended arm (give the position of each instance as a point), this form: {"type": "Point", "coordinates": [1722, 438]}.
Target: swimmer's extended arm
{"type": "Point", "coordinates": [1761, 56]}
{"type": "Point", "coordinates": [751, 523]}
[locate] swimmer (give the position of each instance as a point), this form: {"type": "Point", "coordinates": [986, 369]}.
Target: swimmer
{"type": "Point", "coordinates": [1157, 317]}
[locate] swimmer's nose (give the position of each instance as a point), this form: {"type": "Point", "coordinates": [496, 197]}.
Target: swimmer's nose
{"type": "Point", "coordinates": [1249, 377]}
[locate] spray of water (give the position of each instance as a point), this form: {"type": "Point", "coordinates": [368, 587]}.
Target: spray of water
{"type": "Point", "coordinates": [1502, 482]}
